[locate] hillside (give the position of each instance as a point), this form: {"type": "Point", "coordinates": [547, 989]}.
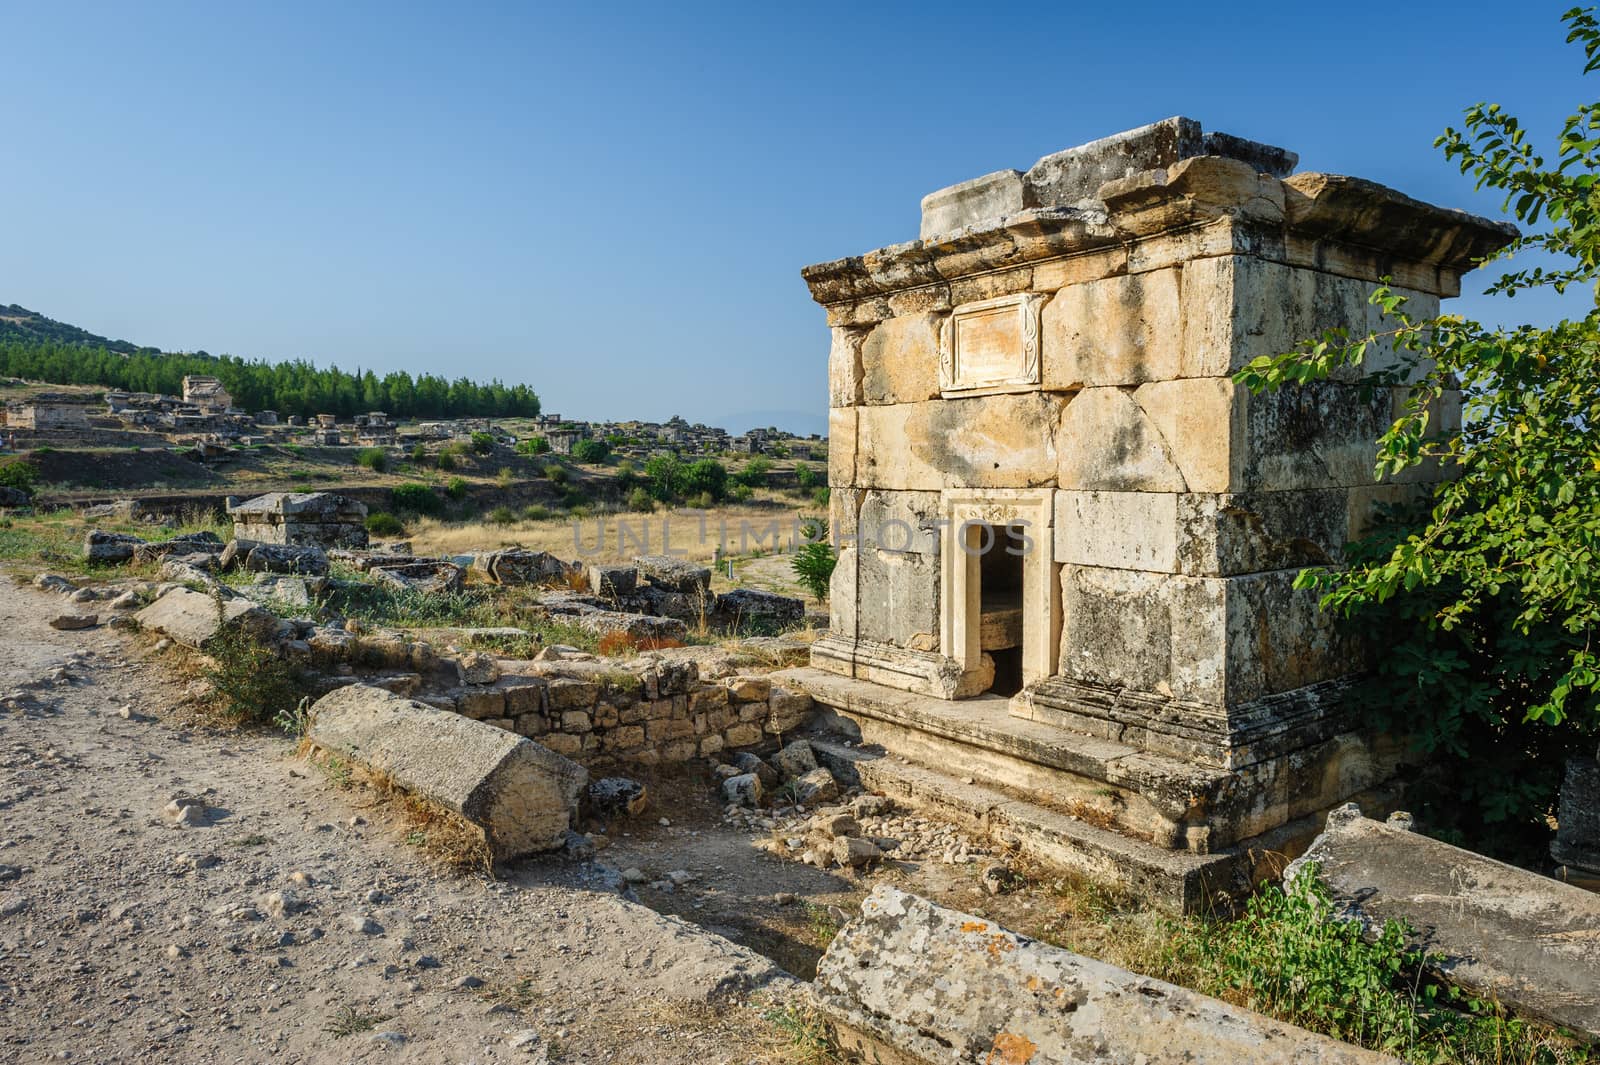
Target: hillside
{"type": "Point", "coordinates": [19, 323]}
{"type": "Point", "coordinates": [36, 348]}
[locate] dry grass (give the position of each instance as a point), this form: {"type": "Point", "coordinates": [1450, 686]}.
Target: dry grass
{"type": "Point", "coordinates": [441, 833]}
{"type": "Point", "coordinates": [615, 538]}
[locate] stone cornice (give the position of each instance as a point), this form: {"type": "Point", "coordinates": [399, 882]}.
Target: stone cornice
{"type": "Point", "coordinates": [1316, 215]}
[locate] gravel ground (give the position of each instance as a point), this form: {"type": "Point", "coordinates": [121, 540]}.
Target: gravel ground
{"type": "Point", "coordinates": [293, 923]}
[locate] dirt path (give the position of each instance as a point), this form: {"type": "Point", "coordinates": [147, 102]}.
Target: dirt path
{"type": "Point", "coordinates": [127, 937]}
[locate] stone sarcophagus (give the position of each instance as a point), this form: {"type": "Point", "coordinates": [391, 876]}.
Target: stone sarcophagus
{"type": "Point", "coordinates": [1049, 489]}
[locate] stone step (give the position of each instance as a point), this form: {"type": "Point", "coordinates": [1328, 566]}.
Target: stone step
{"type": "Point", "coordinates": [1175, 881]}
{"type": "Point", "coordinates": [1162, 800]}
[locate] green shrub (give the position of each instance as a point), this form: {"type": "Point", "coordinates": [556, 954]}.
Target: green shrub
{"type": "Point", "coordinates": [805, 476]}
{"type": "Point", "coordinates": [821, 495]}
{"type": "Point", "coordinates": [375, 459]}
{"type": "Point", "coordinates": [502, 516]}
{"type": "Point", "coordinates": [382, 523]}
{"type": "Point", "coordinates": [574, 497]}
{"type": "Point", "coordinates": [1291, 957]}
{"type": "Point", "coordinates": [446, 460]}
{"type": "Point", "coordinates": [536, 513]}
{"type": "Point", "coordinates": [252, 684]}
{"type": "Point", "coordinates": [505, 478]}
{"type": "Point", "coordinates": [557, 473]}
{"type": "Point", "coordinates": [419, 455]}
{"type": "Point", "coordinates": [591, 451]}
{"type": "Point", "coordinates": [456, 488]}
{"type": "Point", "coordinates": [415, 498]}
{"type": "Point", "coordinates": [534, 445]}
{"type": "Point", "coordinates": [754, 473]}
{"type": "Point", "coordinates": [482, 443]}
{"type": "Point", "coordinates": [665, 476]}
{"type": "Point", "coordinates": [813, 564]}
{"type": "Point", "coordinates": [639, 499]}
{"type": "Point", "coordinates": [704, 478]}
{"type": "Point", "coordinates": [20, 474]}
{"type": "Point", "coordinates": [741, 493]}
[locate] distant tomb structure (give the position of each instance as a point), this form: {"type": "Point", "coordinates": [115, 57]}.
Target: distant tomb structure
{"type": "Point", "coordinates": [1071, 533]}
{"type": "Point", "coordinates": [206, 393]}
{"type": "Point", "coordinates": [49, 410]}
{"type": "Point", "coordinates": [319, 519]}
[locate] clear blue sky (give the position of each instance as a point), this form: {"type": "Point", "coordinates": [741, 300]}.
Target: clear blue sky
{"type": "Point", "coordinates": [614, 204]}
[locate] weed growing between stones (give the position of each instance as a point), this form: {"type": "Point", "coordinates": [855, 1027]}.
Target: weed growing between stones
{"type": "Point", "coordinates": [251, 684]}
{"type": "Point", "coordinates": [806, 1037]}
{"type": "Point", "coordinates": [1291, 957]}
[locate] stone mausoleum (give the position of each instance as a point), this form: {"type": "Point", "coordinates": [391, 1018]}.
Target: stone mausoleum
{"type": "Point", "coordinates": [1064, 602]}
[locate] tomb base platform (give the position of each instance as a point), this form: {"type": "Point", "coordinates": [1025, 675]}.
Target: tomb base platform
{"type": "Point", "coordinates": [1185, 835]}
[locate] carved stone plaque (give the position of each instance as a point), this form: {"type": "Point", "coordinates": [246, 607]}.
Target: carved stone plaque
{"type": "Point", "coordinates": [991, 346]}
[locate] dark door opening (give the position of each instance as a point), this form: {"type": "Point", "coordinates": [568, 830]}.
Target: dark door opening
{"type": "Point", "coordinates": [1000, 603]}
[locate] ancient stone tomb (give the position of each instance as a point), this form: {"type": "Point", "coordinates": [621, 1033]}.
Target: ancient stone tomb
{"type": "Point", "coordinates": [1052, 497]}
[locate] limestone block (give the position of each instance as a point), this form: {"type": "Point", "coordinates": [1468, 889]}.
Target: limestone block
{"type": "Point", "coordinates": [1155, 633]}
{"type": "Point", "coordinates": [900, 360]}
{"type": "Point", "coordinates": [1279, 639]}
{"type": "Point", "coordinates": [102, 546]}
{"type": "Point", "coordinates": [1237, 308]}
{"type": "Point", "coordinates": [1223, 535]}
{"type": "Point", "coordinates": [844, 366]}
{"type": "Point", "coordinates": [521, 795]}
{"type": "Point", "coordinates": [612, 581]}
{"type": "Point", "coordinates": [908, 980]}
{"type": "Point", "coordinates": [1107, 443]}
{"type": "Point", "coordinates": [898, 595]}
{"type": "Point", "coordinates": [1118, 530]}
{"type": "Point", "coordinates": [997, 441]}
{"type": "Point", "coordinates": [842, 614]}
{"type": "Point", "coordinates": [901, 521]}
{"type": "Point", "coordinates": [1506, 934]}
{"type": "Point", "coordinates": [194, 619]}
{"type": "Point", "coordinates": [1114, 331]}
{"type": "Point", "coordinates": [971, 203]}
{"type": "Point", "coordinates": [1197, 421]}
{"type": "Point", "coordinates": [842, 447]}
{"type": "Point", "coordinates": [1320, 435]}
{"type": "Point", "coordinates": [1073, 177]}
{"type": "Point", "coordinates": [673, 574]}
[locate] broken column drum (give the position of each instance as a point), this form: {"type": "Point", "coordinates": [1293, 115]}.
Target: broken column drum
{"type": "Point", "coordinates": [1048, 373]}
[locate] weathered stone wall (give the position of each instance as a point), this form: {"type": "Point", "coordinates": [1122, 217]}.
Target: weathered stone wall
{"type": "Point", "coordinates": [644, 711]}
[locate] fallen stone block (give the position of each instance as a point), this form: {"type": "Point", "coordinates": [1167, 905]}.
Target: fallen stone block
{"type": "Point", "coordinates": [13, 497]}
{"type": "Point", "coordinates": [429, 578]}
{"type": "Point", "coordinates": [748, 609]}
{"type": "Point", "coordinates": [257, 557]}
{"type": "Point", "coordinates": [612, 581]}
{"type": "Point", "coordinates": [673, 574]}
{"type": "Point", "coordinates": [279, 588]}
{"type": "Point", "coordinates": [197, 543]}
{"type": "Point", "coordinates": [522, 796]}
{"type": "Point", "coordinates": [101, 546]}
{"type": "Point", "coordinates": [194, 618]}
{"type": "Point", "coordinates": [70, 622]}
{"type": "Point", "coordinates": [639, 626]}
{"type": "Point", "coordinates": [908, 980]}
{"type": "Point", "coordinates": [1503, 933]}
{"type": "Point", "coordinates": [520, 566]}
